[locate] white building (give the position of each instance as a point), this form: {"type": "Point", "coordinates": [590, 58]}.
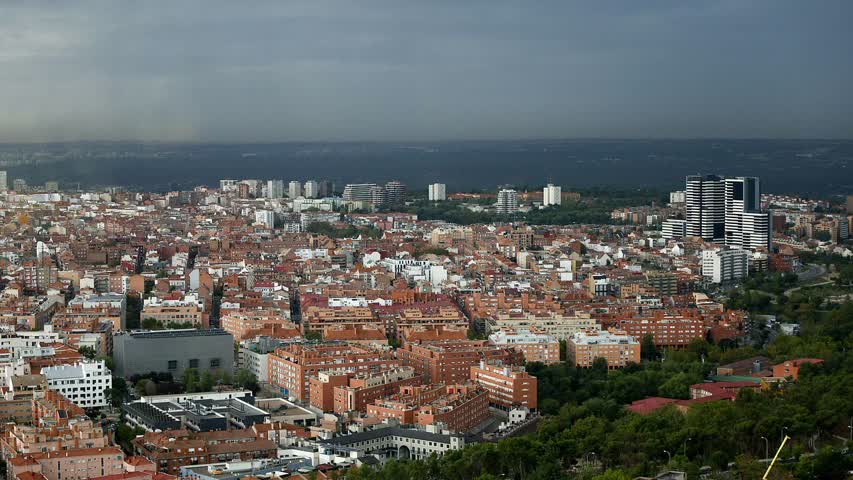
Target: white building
{"type": "Point", "coordinates": [255, 362]}
{"type": "Point", "coordinates": [265, 217]}
{"type": "Point", "coordinates": [311, 189]}
{"type": "Point", "coordinates": [679, 196]}
{"type": "Point", "coordinates": [721, 265]}
{"type": "Point", "coordinates": [746, 225]}
{"type": "Point", "coordinates": [359, 192]}
{"type": "Point", "coordinates": [437, 192]}
{"type": "Point", "coordinates": [552, 195]}
{"type": "Point", "coordinates": [4, 183]}
{"type": "Point", "coordinates": [275, 188]}
{"type": "Point", "coordinates": [84, 383]}
{"type": "Point", "coordinates": [705, 207]}
{"type": "Point", "coordinates": [673, 228]}
{"type": "Point", "coordinates": [294, 189]}
{"type": "Point", "coordinates": [507, 202]}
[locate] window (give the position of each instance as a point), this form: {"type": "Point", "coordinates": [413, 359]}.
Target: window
{"type": "Point", "coordinates": [214, 363]}
{"type": "Point", "coordinates": [173, 364]}
{"type": "Point", "coordinates": [193, 363]}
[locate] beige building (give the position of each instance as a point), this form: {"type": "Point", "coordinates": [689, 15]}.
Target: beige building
{"type": "Point", "coordinates": [615, 346]}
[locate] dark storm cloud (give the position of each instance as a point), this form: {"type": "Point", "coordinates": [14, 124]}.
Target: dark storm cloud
{"type": "Point", "coordinates": [396, 70]}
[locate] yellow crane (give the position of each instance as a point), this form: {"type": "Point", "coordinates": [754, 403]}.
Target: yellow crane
{"type": "Point", "coordinates": [770, 467]}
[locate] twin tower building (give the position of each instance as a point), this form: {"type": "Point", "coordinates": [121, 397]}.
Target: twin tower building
{"type": "Point", "coordinates": [726, 210]}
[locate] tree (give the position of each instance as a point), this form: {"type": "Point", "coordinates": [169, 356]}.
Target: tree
{"type": "Point", "coordinates": [246, 379]}
{"type": "Point", "coordinates": [88, 352]}
{"type": "Point", "coordinates": [190, 380]}
{"type": "Point", "coordinates": [648, 348]}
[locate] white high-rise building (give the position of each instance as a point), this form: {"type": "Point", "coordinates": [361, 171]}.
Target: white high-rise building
{"type": "Point", "coordinates": [673, 228]}
{"type": "Point", "coordinates": [265, 217]}
{"type": "Point", "coordinates": [725, 264]}
{"type": "Point", "coordinates": [437, 192]}
{"type": "Point", "coordinates": [312, 189]}
{"type": "Point", "coordinates": [746, 225]}
{"type": "Point", "coordinates": [705, 209]}
{"type": "Point", "coordinates": [4, 183]}
{"type": "Point", "coordinates": [358, 192]}
{"type": "Point", "coordinates": [677, 197]}
{"type": "Point", "coordinates": [84, 383]}
{"type": "Point", "coordinates": [507, 202]}
{"type": "Point", "coordinates": [294, 189]}
{"type": "Point", "coordinates": [275, 189]}
{"type": "Point", "coordinates": [552, 195]}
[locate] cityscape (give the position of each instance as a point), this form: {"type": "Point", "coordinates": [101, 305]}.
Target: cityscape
{"type": "Point", "coordinates": [299, 328]}
{"type": "Point", "coordinates": [390, 240]}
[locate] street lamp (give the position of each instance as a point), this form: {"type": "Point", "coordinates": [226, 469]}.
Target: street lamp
{"type": "Point", "coordinates": [685, 445]}
{"type": "Point", "coordinates": [668, 456]}
{"type": "Point", "coordinates": [850, 427]}
{"type": "Point", "coordinates": [766, 447]}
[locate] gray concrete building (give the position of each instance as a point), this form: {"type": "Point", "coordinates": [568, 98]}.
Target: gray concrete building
{"type": "Point", "coordinates": [172, 351]}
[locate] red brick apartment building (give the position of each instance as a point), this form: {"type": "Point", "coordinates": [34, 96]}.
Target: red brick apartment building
{"type": "Point", "coordinates": [450, 362]}
{"type": "Point", "coordinates": [292, 367]}
{"type": "Point", "coordinates": [344, 392]}
{"type": "Point", "coordinates": [666, 331]}
{"type": "Point", "coordinates": [458, 407]}
{"type": "Point", "coordinates": [508, 386]}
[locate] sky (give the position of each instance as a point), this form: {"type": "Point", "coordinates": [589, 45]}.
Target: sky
{"type": "Point", "coordinates": [400, 70]}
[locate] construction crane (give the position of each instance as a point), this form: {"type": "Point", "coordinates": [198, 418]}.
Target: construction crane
{"type": "Point", "coordinates": [770, 467]}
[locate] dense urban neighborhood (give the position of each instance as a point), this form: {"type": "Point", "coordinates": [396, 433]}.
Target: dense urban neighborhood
{"type": "Point", "coordinates": [270, 329]}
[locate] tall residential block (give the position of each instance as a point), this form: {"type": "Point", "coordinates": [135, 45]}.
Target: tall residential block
{"type": "Point", "coordinates": [746, 225]}
{"type": "Point", "coordinates": [437, 192]}
{"type": "Point", "coordinates": [705, 207]}
{"type": "Point", "coordinates": [275, 188]}
{"type": "Point", "coordinates": [552, 195]}
{"type": "Point", "coordinates": [507, 202]}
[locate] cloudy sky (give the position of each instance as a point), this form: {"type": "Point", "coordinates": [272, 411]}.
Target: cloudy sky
{"type": "Point", "coordinates": [423, 70]}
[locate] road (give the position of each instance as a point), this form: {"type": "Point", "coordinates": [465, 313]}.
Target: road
{"type": "Point", "coordinates": [813, 272]}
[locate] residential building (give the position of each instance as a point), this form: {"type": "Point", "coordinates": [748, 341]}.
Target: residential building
{"type": "Point", "coordinates": [507, 202]}
{"type": "Point", "coordinates": [178, 350]}
{"type": "Point", "coordinates": [312, 189]}
{"type": "Point", "coordinates": [437, 192]}
{"type": "Point", "coordinates": [359, 192]}
{"type": "Point", "coordinates": [75, 464]}
{"type": "Point", "coordinates": [705, 211]}
{"type": "Point", "coordinates": [395, 192]}
{"type": "Point", "coordinates": [275, 188]}
{"type": "Point", "coordinates": [292, 367]}
{"type": "Point", "coordinates": [265, 218]}
{"type": "Point", "coordinates": [721, 265]}
{"type": "Point", "coordinates": [534, 345]}
{"type": "Point", "coordinates": [552, 195]}
{"type": "Point", "coordinates": [449, 362]}
{"type": "Point", "coordinates": [84, 383]}
{"type": "Point", "coordinates": [172, 449]}
{"type": "Point", "coordinates": [509, 386]}
{"type": "Point", "coordinates": [458, 408]}
{"type": "Point", "coordinates": [746, 226]}
{"type": "Point", "coordinates": [4, 183]}
{"type": "Point", "coordinates": [666, 331]}
{"type": "Point", "coordinates": [294, 189]}
{"type": "Point", "coordinates": [617, 347]}
{"type": "Point", "coordinates": [673, 228]}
